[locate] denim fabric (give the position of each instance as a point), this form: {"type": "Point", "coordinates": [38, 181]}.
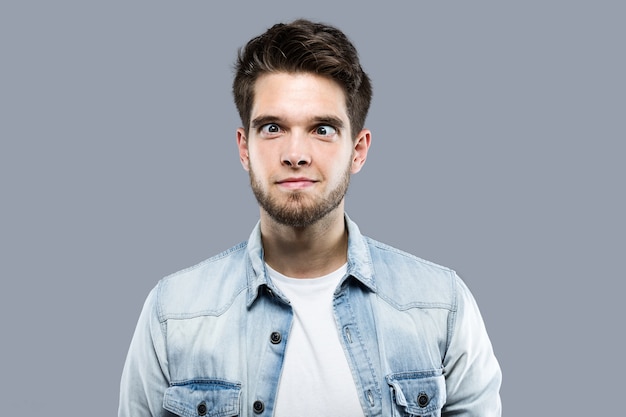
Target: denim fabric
{"type": "Point", "coordinates": [211, 339]}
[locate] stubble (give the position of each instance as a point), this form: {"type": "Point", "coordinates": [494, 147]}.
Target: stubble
{"type": "Point", "coordinates": [298, 209]}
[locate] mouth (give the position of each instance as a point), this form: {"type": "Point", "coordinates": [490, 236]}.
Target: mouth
{"type": "Point", "coordinates": [296, 183]}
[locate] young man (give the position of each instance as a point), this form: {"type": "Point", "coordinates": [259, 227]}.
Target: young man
{"type": "Point", "coordinates": [308, 317]}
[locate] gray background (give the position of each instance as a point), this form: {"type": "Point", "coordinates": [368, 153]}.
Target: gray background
{"type": "Point", "coordinates": [498, 148]}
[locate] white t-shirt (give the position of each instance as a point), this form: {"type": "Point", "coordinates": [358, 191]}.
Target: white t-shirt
{"type": "Point", "coordinates": [316, 379]}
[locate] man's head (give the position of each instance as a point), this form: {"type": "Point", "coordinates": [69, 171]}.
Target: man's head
{"type": "Point", "coordinates": [302, 98]}
{"type": "Point", "coordinates": [303, 47]}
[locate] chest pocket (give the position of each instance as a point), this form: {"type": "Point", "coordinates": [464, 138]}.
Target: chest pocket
{"type": "Point", "coordinates": [203, 398]}
{"type": "Point", "coordinates": [418, 393]}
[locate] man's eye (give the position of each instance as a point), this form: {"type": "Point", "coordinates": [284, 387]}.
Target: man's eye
{"type": "Point", "coordinates": [325, 130]}
{"type": "Point", "coordinates": [270, 128]}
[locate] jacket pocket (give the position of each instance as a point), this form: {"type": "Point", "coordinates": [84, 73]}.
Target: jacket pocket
{"type": "Point", "coordinates": [210, 398]}
{"type": "Point", "coordinates": [421, 393]}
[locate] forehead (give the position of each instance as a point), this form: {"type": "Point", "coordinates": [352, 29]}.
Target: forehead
{"type": "Point", "coordinates": [298, 95]}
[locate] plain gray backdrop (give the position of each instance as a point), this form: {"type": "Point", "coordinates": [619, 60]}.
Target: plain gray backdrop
{"type": "Point", "coordinates": [498, 150]}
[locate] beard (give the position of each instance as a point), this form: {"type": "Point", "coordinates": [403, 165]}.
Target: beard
{"type": "Point", "coordinates": [300, 209]}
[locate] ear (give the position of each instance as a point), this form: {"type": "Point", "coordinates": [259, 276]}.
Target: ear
{"type": "Point", "coordinates": [242, 144]}
{"type": "Point", "coordinates": [361, 146]}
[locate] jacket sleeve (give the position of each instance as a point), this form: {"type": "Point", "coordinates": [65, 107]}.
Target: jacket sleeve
{"type": "Point", "coordinates": [472, 372]}
{"type": "Point", "coordinates": [145, 376]}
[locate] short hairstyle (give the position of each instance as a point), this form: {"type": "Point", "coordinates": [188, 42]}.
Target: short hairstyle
{"type": "Point", "coordinates": [303, 46]}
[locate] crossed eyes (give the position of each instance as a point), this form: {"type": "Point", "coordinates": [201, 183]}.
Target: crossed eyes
{"type": "Point", "coordinates": [321, 130]}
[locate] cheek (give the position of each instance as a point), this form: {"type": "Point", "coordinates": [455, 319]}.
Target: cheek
{"type": "Point", "coordinates": [261, 153]}
{"type": "Point", "coordinates": [257, 162]}
{"type": "Point", "coordinates": [255, 157]}
{"type": "Point", "coordinates": [338, 165]}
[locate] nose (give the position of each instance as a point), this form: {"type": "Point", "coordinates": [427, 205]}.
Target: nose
{"type": "Point", "coordinates": [296, 153]}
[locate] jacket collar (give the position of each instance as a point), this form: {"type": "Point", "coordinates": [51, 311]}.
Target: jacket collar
{"type": "Point", "coordinates": [359, 261]}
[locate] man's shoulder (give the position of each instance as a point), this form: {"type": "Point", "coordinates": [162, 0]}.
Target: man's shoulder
{"type": "Point", "coordinates": [406, 280]}
{"type": "Point", "coordinates": [207, 288]}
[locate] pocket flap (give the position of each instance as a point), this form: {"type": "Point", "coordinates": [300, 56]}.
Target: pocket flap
{"type": "Point", "coordinates": [419, 392]}
{"type": "Point", "coordinates": [209, 398]}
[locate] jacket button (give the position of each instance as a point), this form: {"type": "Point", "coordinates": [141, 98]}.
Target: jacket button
{"type": "Point", "coordinates": [275, 338]}
{"type": "Point", "coordinates": [201, 409]}
{"type": "Point", "coordinates": [258, 407]}
{"type": "Point", "coordinates": [422, 399]}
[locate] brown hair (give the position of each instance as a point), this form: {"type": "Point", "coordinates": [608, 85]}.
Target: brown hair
{"type": "Point", "coordinates": [303, 46]}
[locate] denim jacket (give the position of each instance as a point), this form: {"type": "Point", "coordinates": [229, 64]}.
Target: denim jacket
{"type": "Point", "coordinates": [211, 339]}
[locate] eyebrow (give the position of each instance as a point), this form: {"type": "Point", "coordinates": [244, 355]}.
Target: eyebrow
{"type": "Point", "coordinates": [319, 120]}
{"type": "Point", "coordinates": [263, 120]}
{"type": "Point", "coordinates": [329, 120]}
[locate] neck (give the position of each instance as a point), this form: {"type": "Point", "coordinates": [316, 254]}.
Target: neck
{"type": "Point", "coordinates": [306, 252]}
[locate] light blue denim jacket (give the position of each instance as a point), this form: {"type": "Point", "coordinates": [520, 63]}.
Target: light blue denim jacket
{"type": "Point", "coordinates": [211, 339]}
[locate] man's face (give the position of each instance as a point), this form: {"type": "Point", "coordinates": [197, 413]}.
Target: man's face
{"type": "Point", "coordinates": [299, 149]}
